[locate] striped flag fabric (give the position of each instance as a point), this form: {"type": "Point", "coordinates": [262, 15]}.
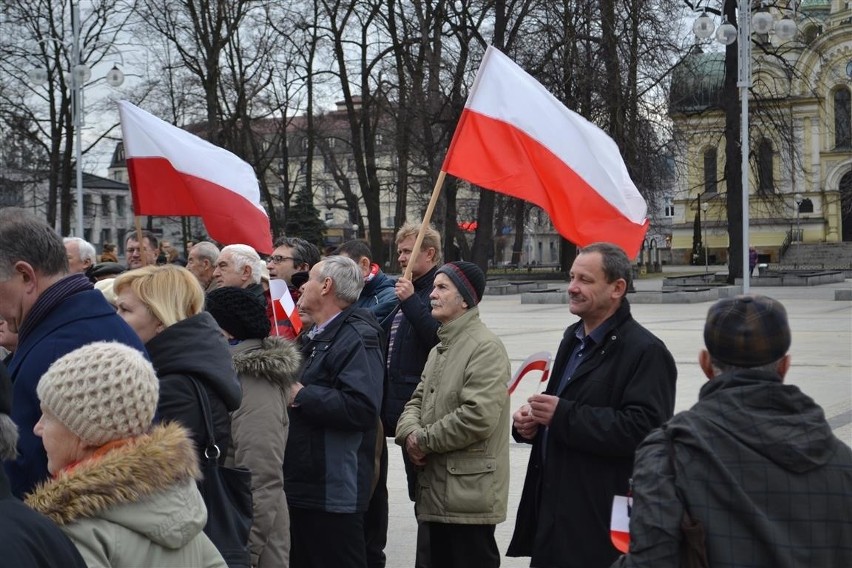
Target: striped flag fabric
{"type": "Point", "coordinates": [282, 302]}
{"type": "Point", "coordinates": [536, 362]}
{"type": "Point", "coordinates": [174, 172]}
{"type": "Point", "coordinates": [516, 138]}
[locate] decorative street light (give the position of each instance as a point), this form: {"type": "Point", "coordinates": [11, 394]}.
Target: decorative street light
{"type": "Point", "coordinates": [798, 199]}
{"type": "Point", "coordinates": [79, 74]}
{"type": "Point", "coordinates": [764, 23]}
{"type": "Point", "coordinates": [704, 208]}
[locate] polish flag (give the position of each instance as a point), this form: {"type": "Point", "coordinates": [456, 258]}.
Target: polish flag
{"type": "Point", "coordinates": [516, 138]}
{"type": "Point", "coordinates": [283, 301]}
{"type": "Point", "coordinates": [536, 362]}
{"type": "Point", "coordinates": [173, 172]}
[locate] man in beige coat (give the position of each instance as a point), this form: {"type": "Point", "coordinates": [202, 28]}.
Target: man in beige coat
{"type": "Point", "coordinates": [455, 428]}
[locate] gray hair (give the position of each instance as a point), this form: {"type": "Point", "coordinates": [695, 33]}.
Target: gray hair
{"type": "Point", "coordinates": [8, 438]}
{"type": "Point", "coordinates": [346, 276]}
{"type": "Point", "coordinates": [207, 250]}
{"type": "Point", "coordinates": [243, 256]}
{"type": "Point", "coordinates": [24, 237]}
{"type": "Point", "coordinates": [616, 265]}
{"type": "Point", "coordinates": [85, 249]}
{"type": "Point", "coordinates": [304, 252]}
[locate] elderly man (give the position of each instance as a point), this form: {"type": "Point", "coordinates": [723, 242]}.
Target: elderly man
{"type": "Point", "coordinates": [81, 254]}
{"type": "Point", "coordinates": [612, 383]}
{"type": "Point", "coordinates": [53, 313]}
{"type": "Point", "coordinates": [334, 411]}
{"type": "Point", "coordinates": [201, 261]}
{"type": "Point", "coordinates": [144, 255]}
{"type": "Point", "coordinates": [240, 266]}
{"type": "Point", "coordinates": [754, 461]}
{"type": "Point", "coordinates": [455, 428]}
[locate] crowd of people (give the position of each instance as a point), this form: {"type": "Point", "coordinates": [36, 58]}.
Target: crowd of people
{"type": "Point", "coordinates": [115, 377]}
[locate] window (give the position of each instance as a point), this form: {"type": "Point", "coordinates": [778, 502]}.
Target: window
{"type": "Point", "coordinates": [120, 205]}
{"type": "Point", "coordinates": [105, 205]}
{"type": "Point", "coordinates": [669, 209]}
{"type": "Point", "coordinates": [842, 119]}
{"type": "Point", "coordinates": [765, 167]}
{"type": "Point", "coordinates": [88, 207]}
{"type": "Point", "coordinates": [710, 170]}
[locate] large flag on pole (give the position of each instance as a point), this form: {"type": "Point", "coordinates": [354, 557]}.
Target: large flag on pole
{"type": "Point", "coordinates": [514, 137]}
{"type": "Point", "coordinates": [173, 172]}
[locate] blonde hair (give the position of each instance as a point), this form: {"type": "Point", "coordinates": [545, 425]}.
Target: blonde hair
{"type": "Point", "coordinates": [431, 238]}
{"type": "Point", "coordinates": [170, 292]}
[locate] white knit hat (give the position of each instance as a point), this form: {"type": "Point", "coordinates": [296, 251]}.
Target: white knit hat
{"type": "Point", "coordinates": [101, 392]}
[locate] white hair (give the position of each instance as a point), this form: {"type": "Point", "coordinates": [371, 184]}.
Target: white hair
{"type": "Point", "coordinates": [85, 249]}
{"type": "Point", "coordinates": [207, 250]}
{"type": "Point", "coordinates": [345, 274]}
{"type": "Point", "coordinates": [243, 256]}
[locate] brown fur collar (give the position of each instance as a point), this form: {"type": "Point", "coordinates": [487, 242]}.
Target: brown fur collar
{"type": "Point", "coordinates": [277, 361]}
{"type": "Point", "coordinates": [147, 465]}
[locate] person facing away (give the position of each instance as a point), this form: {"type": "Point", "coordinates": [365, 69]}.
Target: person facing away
{"type": "Point", "coordinates": [53, 313]}
{"type": "Point", "coordinates": [455, 428]}
{"type": "Point", "coordinates": [123, 490]}
{"type": "Point", "coordinates": [334, 409]}
{"type": "Point", "coordinates": [266, 367]}
{"type": "Point", "coordinates": [754, 460]}
{"type": "Point", "coordinates": [612, 383]}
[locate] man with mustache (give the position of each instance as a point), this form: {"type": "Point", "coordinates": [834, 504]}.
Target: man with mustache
{"type": "Point", "coordinates": [612, 383]}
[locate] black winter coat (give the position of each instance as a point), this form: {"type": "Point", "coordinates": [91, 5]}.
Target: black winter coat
{"type": "Point", "coordinates": [416, 336]}
{"type": "Point", "coordinates": [623, 389]}
{"type": "Point", "coordinates": [195, 347]}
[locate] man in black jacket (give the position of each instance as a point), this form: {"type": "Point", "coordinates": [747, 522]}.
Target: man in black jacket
{"type": "Point", "coordinates": [757, 464]}
{"type": "Point", "coordinates": [334, 415]}
{"type": "Point", "coordinates": [612, 383]}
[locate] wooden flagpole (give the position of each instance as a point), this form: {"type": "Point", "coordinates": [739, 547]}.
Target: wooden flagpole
{"type": "Point", "coordinates": [427, 217]}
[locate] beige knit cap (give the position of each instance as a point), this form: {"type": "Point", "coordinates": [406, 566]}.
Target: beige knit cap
{"type": "Point", "coordinates": [102, 392]}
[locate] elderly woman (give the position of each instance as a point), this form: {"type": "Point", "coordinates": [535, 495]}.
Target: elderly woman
{"type": "Point", "coordinates": [122, 490]}
{"type": "Point", "coordinates": [164, 306]}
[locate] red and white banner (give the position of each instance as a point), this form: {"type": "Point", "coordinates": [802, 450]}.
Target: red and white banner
{"type": "Point", "coordinates": [282, 301]}
{"type": "Point", "coordinates": [514, 137]}
{"type": "Point", "coordinates": [619, 524]}
{"type": "Point", "coordinates": [536, 362]}
{"type": "Point", "coordinates": [173, 172]}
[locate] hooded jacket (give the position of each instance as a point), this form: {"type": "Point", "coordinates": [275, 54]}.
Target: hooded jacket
{"type": "Point", "coordinates": [759, 467]}
{"type": "Point", "coordinates": [136, 505]}
{"type": "Point", "coordinates": [195, 347]}
{"type": "Point", "coordinates": [267, 369]}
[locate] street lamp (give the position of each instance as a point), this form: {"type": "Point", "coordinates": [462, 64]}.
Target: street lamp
{"type": "Point", "coordinates": [798, 199]}
{"type": "Point", "coordinates": [704, 208]}
{"type": "Point", "coordinates": [78, 75]}
{"type": "Point", "coordinates": [785, 30]}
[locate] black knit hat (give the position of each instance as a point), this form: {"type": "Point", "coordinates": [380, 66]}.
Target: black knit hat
{"type": "Point", "coordinates": [238, 312]}
{"type": "Point", "coordinates": [747, 331]}
{"type": "Point", "coordinates": [468, 278]}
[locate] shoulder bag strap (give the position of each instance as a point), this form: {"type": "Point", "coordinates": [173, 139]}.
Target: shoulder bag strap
{"type": "Point", "coordinates": [212, 450]}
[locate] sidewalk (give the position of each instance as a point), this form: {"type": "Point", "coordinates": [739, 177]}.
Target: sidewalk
{"type": "Point", "coordinates": [821, 367]}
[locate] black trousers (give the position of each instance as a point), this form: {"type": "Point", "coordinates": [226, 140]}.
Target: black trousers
{"type": "Point", "coordinates": [376, 517]}
{"type": "Point", "coordinates": [461, 546]}
{"type": "Point", "coordinates": [321, 540]}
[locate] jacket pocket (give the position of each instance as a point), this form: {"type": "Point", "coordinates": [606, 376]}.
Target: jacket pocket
{"type": "Point", "coordinates": [470, 484]}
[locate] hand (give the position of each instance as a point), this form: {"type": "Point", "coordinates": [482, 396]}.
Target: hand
{"type": "Point", "coordinates": [543, 407]}
{"type": "Point", "coordinates": [524, 423]}
{"type": "Point", "coordinates": [404, 289]}
{"type": "Point", "coordinates": [417, 456]}
{"type": "Point", "coordinates": [294, 390]}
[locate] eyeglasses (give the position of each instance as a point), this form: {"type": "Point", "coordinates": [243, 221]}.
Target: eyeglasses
{"type": "Point", "coordinates": [278, 259]}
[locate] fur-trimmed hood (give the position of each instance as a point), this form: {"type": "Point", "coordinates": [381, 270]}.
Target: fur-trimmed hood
{"type": "Point", "coordinates": [274, 359]}
{"type": "Point", "coordinates": [147, 485]}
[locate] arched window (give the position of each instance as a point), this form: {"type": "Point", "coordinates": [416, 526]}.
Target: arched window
{"type": "Point", "coordinates": [842, 119]}
{"type": "Point", "coordinates": [710, 170]}
{"type": "Point", "coordinates": [765, 169]}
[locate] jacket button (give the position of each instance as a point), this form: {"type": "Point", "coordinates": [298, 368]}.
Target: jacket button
{"type": "Point", "coordinates": [488, 466]}
{"type": "Point", "coordinates": [452, 469]}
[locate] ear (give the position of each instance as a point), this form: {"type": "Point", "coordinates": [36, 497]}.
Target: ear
{"type": "Point", "coordinates": [619, 288]}
{"type": "Point", "coordinates": [28, 275]}
{"type": "Point", "coordinates": [364, 264]}
{"type": "Point", "coordinates": [705, 364]}
{"type": "Point", "coordinates": [247, 272]}
{"type": "Point", "coordinates": [784, 366]}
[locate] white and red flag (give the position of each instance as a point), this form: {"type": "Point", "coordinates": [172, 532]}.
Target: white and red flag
{"type": "Point", "coordinates": [282, 302]}
{"type": "Point", "coordinates": [536, 362]}
{"type": "Point", "coordinates": [173, 172]}
{"type": "Point", "coordinates": [514, 137]}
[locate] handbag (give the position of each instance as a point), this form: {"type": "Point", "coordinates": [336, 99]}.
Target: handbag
{"type": "Point", "coordinates": [693, 549]}
{"type": "Point", "coordinates": [227, 493]}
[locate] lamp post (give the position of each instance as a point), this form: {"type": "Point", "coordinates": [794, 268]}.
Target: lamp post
{"type": "Point", "coordinates": [798, 199]}
{"type": "Point", "coordinates": [78, 75]}
{"type": "Point", "coordinates": [726, 34]}
{"type": "Point", "coordinates": [704, 208]}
